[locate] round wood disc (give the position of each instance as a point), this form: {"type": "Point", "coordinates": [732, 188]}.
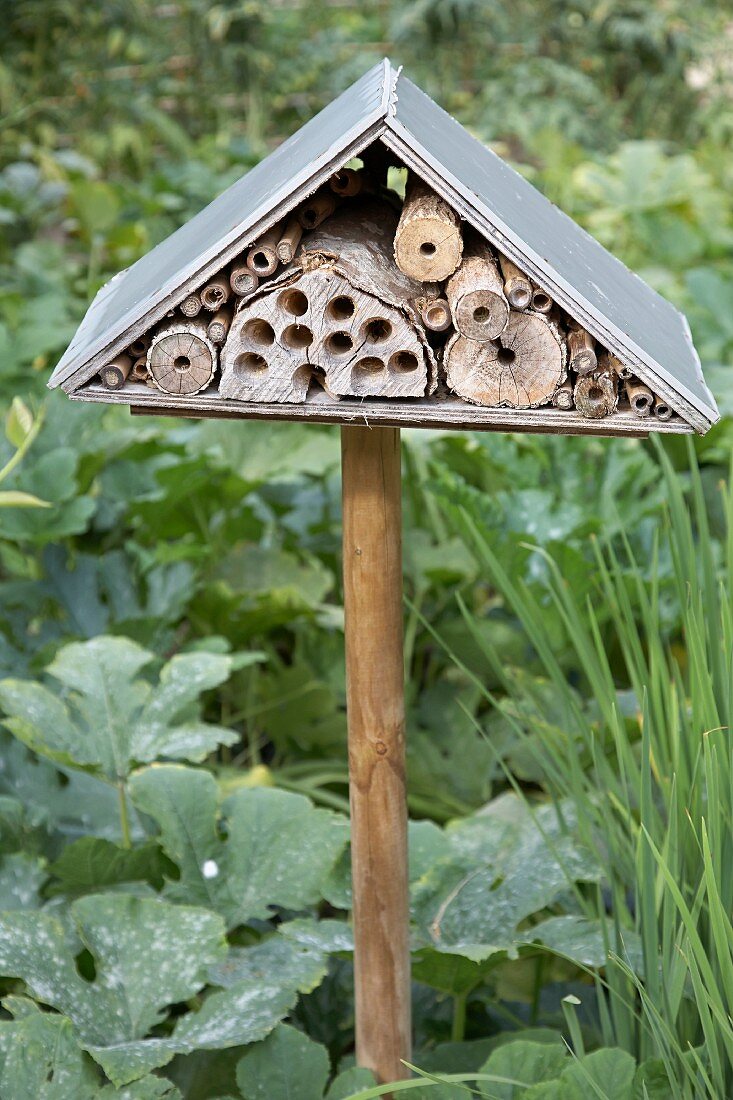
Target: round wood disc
{"type": "Point", "coordinates": [181, 361]}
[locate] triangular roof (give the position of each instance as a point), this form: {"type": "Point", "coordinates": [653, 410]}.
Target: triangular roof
{"type": "Point", "coordinates": [617, 307]}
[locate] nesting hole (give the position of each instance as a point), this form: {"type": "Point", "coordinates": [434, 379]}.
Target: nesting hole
{"type": "Point", "coordinates": [259, 331]}
{"type": "Point", "coordinates": [293, 302]}
{"type": "Point", "coordinates": [297, 336]}
{"type": "Point", "coordinates": [521, 298]}
{"type": "Point", "coordinates": [481, 315]}
{"type": "Point", "coordinates": [181, 363]}
{"type": "Point", "coordinates": [341, 308]}
{"type": "Point", "coordinates": [505, 356]}
{"type": "Point", "coordinates": [309, 216]}
{"type": "Point", "coordinates": [339, 343]}
{"type": "Point", "coordinates": [403, 362]}
{"type": "Point", "coordinates": [436, 315]}
{"type": "Point", "coordinates": [250, 363]}
{"type": "Point", "coordinates": [595, 393]}
{"type": "Point", "coordinates": [372, 364]}
{"type": "Point", "coordinates": [377, 329]}
{"type": "Point", "coordinates": [540, 300]}
{"type": "Point", "coordinates": [427, 248]}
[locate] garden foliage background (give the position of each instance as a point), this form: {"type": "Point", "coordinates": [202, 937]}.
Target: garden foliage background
{"type": "Point", "coordinates": [174, 868]}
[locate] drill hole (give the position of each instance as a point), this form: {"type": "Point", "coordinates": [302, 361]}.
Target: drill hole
{"type": "Point", "coordinates": [249, 363]}
{"type": "Point", "coordinates": [481, 315]}
{"type": "Point", "coordinates": [261, 261]}
{"type": "Point", "coordinates": [436, 315]}
{"type": "Point", "coordinates": [339, 343]}
{"type": "Point", "coordinates": [595, 393]}
{"type": "Point", "coordinates": [259, 332]}
{"type": "Point", "coordinates": [341, 308]}
{"type": "Point", "coordinates": [403, 362]}
{"type": "Point", "coordinates": [181, 363]}
{"type": "Point", "coordinates": [372, 364]}
{"type": "Point", "coordinates": [294, 302]}
{"type": "Point", "coordinates": [427, 248]}
{"type": "Point", "coordinates": [377, 330]}
{"type": "Point", "coordinates": [505, 356]}
{"type": "Point", "coordinates": [540, 300]}
{"type": "Point", "coordinates": [297, 336]}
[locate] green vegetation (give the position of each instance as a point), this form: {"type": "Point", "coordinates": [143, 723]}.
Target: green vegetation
{"type": "Point", "coordinates": [173, 848]}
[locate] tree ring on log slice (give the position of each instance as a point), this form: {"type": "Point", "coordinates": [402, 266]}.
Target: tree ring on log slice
{"type": "Point", "coordinates": [182, 360]}
{"type": "Point", "coordinates": [521, 369]}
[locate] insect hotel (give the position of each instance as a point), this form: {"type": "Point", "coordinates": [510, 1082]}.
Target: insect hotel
{"type": "Point", "coordinates": [382, 268]}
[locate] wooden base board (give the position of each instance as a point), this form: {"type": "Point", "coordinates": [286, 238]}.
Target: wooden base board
{"type": "Point", "coordinates": [439, 411]}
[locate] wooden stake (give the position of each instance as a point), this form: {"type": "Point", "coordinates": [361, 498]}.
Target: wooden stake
{"type": "Point", "coordinates": [288, 243]}
{"type": "Point", "coordinates": [476, 295]}
{"type": "Point", "coordinates": [581, 350]}
{"type": "Point", "coordinates": [372, 564]}
{"type": "Point", "coordinates": [428, 242]}
{"type": "Point", "coordinates": [517, 287]}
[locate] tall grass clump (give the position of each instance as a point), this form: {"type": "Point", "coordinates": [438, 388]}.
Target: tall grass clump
{"type": "Point", "coordinates": [644, 751]}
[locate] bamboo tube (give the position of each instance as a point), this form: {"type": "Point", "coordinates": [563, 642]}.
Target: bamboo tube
{"type": "Point", "coordinates": [138, 348]}
{"type": "Point", "coordinates": [346, 182]}
{"type": "Point", "coordinates": [662, 411]}
{"type": "Point", "coordinates": [563, 396]}
{"type": "Point", "coordinates": [243, 281]}
{"type": "Point", "coordinates": [596, 394]}
{"type": "Point", "coordinates": [290, 239]}
{"type": "Point", "coordinates": [262, 259]}
{"type": "Point", "coordinates": [581, 350]}
{"type": "Point", "coordinates": [428, 243]}
{"type": "Point", "coordinates": [541, 300]}
{"type": "Point", "coordinates": [113, 375]}
{"type": "Point", "coordinates": [372, 563]}
{"type": "Point", "coordinates": [517, 287]}
{"type": "Point", "coordinates": [216, 293]}
{"type": "Point", "coordinates": [476, 295]}
{"type": "Point", "coordinates": [140, 370]}
{"type": "Point", "coordinates": [640, 397]}
{"type": "Point", "coordinates": [316, 209]}
{"type": "Point", "coordinates": [436, 314]}
{"type": "Point", "coordinates": [191, 305]}
{"type": "Point", "coordinates": [218, 326]}
{"type": "Point", "coordinates": [608, 361]}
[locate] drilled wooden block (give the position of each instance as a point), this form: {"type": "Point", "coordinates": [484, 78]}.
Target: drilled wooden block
{"type": "Point", "coordinates": [320, 325]}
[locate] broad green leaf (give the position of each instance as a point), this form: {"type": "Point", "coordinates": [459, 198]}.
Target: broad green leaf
{"type": "Point", "coordinates": [651, 1081]}
{"type": "Point", "coordinates": [21, 877]}
{"type": "Point", "coordinates": [581, 940]}
{"type": "Point", "coordinates": [506, 864]}
{"type": "Point", "coordinates": [41, 1060]}
{"type": "Point", "coordinates": [531, 1063]}
{"type": "Point", "coordinates": [286, 1066]}
{"type": "Point", "coordinates": [611, 1071]}
{"type": "Point", "coordinates": [350, 1081]}
{"type": "Point", "coordinates": [105, 718]}
{"type": "Point", "coordinates": [278, 849]}
{"type": "Point", "coordinates": [93, 862]}
{"type": "Point", "coordinates": [149, 1088]}
{"type": "Point", "coordinates": [147, 955]}
{"type": "Point", "coordinates": [274, 959]}
{"type": "Point", "coordinates": [18, 423]}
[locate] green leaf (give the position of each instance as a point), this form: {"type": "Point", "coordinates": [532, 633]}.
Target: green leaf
{"type": "Point", "coordinates": [92, 862]}
{"type": "Point", "coordinates": [276, 958]}
{"type": "Point", "coordinates": [286, 1066]}
{"type": "Point", "coordinates": [18, 423]}
{"type": "Point", "coordinates": [21, 877]}
{"type": "Point", "coordinates": [651, 1081]}
{"type": "Point", "coordinates": [41, 1060]}
{"type": "Point", "coordinates": [104, 718]}
{"type": "Point", "coordinates": [505, 865]}
{"type": "Point", "coordinates": [610, 1071]}
{"type": "Point", "coordinates": [278, 850]}
{"type": "Point", "coordinates": [147, 955]}
{"type": "Point", "coordinates": [581, 940]}
{"type": "Point", "coordinates": [351, 1081]}
{"type": "Point", "coordinates": [149, 1088]}
{"type": "Point", "coordinates": [529, 1062]}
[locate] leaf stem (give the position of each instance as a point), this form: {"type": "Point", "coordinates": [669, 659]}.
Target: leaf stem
{"type": "Point", "coordinates": [124, 815]}
{"type": "Point", "coordinates": [458, 1028]}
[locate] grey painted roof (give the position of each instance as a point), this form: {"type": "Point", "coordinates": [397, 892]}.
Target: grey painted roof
{"type": "Point", "coordinates": [615, 305]}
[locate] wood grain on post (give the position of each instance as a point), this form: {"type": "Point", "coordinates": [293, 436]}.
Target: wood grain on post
{"type": "Point", "coordinates": [476, 295]}
{"type": "Point", "coordinates": [372, 556]}
{"type": "Point", "coordinates": [428, 243]}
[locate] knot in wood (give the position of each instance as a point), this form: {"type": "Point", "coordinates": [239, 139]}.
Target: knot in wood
{"type": "Point", "coordinates": [380, 747]}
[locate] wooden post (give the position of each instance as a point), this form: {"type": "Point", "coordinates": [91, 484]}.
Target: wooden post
{"type": "Point", "coordinates": [372, 552]}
